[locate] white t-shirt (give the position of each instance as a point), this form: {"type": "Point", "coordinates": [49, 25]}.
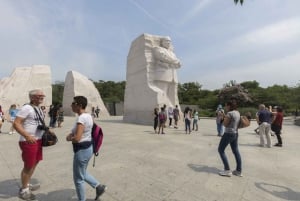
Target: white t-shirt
{"type": "Point", "coordinates": [234, 116]}
{"type": "Point", "coordinates": [31, 121]}
{"type": "Point", "coordinates": [170, 112]}
{"type": "Point", "coordinates": [87, 121]}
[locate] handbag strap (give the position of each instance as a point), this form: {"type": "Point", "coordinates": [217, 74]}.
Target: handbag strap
{"type": "Point", "coordinates": [39, 116]}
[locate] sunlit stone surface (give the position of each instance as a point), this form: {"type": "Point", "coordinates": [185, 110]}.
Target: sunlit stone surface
{"type": "Point", "coordinates": [151, 79]}
{"type": "Point", "coordinates": [14, 89]}
{"type": "Point", "coordinates": [77, 84]}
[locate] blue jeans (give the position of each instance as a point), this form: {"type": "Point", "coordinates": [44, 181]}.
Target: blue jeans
{"type": "Point", "coordinates": [80, 175]}
{"type": "Point", "coordinates": [232, 139]}
{"type": "Point", "coordinates": [187, 125]}
{"type": "Point", "coordinates": [220, 128]}
{"type": "Point", "coordinates": [195, 124]}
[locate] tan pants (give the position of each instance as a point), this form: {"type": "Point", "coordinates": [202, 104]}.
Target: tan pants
{"type": "Point", "coordinates": [264, 130]}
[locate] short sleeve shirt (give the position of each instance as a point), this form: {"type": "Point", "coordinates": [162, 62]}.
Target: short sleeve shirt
{"type": "Point", "coordinates": [234, 121]}
{"type": "Point", "coordinates": [87, 121]}
{"type": "Point", "coordinates": [31, 121]}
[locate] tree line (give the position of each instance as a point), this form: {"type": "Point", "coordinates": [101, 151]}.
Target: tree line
{"type": "Point", "coordinates": [191, 93]}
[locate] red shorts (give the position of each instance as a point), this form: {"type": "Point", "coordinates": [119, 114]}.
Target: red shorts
{"type": "Point", "coordinates": [31, 153]}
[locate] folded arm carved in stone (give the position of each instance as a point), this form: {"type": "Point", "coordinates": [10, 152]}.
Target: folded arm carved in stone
{"type": "Point", "coordinates": [165, 57]}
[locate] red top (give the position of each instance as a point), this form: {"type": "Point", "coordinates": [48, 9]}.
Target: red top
{"type": "Point", "coordinates": [278, 119]}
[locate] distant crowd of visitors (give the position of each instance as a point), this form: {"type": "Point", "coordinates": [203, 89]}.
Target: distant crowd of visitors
{"type": "Point", "coordinates": [227, 121]}
{"type": "Point", "coordinates": [162, 116]}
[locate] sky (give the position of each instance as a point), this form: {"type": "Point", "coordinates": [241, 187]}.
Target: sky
{"type": "Point", "coordinates": [215, 40]}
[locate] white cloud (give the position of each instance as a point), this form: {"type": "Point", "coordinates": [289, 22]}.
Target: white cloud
{"type": "Point", "coordinates": [194, 11]}
{"type": "Point", "coordinates": [280, 32]}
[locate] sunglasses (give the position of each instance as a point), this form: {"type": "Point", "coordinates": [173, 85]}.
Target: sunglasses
{"type": "Point", "coordinates": [40, 96]}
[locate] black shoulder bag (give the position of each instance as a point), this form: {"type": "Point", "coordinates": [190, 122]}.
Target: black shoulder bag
{"type": "Point", "coordinates": [48, 139]}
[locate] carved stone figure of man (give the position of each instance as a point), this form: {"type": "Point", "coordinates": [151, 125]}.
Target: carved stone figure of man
{"type": "Point", "coordinates": [165, 65]}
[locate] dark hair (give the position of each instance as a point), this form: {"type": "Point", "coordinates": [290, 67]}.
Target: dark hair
{"type": "Point", "coordinates": [81, 100]}
{"type": "Point", "coordinates": [186, 109]}
{"type": "Point", "coordinates": [232, 104]}
{"type": "Point", "coordinates": [279, 109]}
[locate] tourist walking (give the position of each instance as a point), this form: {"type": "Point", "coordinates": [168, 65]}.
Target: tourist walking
{"type": "Point", "coordinates": [264, 119]}
{"type": "Point", "coordinates": [170, 116]}
{"type": "Point", "coordinates": [176, 116]}
{"type": "Point", "coordinates": [80, 137]}
{"type": "Point", "coordinates": [97, 111]}
{"type": "Point", "coordinates": [230, 136]}
{"type": "Point", "coordinates": [53, 115]}
{"type": "Point", "coordinates": [60, 116]}
{"type": "Point", "coordinates": [12, 116]}
{"type": "Point", "coordinates": [195, 120]}
{"type": "Point", "coordinates": [187, 120]}
{"type": "Point", "coordinates": [162, 120]}
{"type": "Point", "coordinates": [276, 125]}
{"type": "Point", "coordinates": [155, 114]}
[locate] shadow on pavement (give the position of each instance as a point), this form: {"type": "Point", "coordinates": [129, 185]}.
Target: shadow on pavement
{"type": "Point", "coordinates": [9, 189]}
{"type": "Point", "coordinates": [279, 191]}
{"type": "Point", "coordinates": [65, 194]}
{"type": "Point", "coordinates": [203, 168]}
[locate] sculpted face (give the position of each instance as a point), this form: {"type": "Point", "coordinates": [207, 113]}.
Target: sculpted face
{"type": "Point", "coordinates": [166, 43]}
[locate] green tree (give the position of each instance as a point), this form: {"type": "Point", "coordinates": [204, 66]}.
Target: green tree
{"type": "Point", "coordinates": [189, 93]}
{"type": "Point", "coordinates": [57, 92]}
{"type": "Point", "coordinates": [111, 91]}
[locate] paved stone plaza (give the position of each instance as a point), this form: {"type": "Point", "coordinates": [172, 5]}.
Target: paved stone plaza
{"type": "Point", "coordinates": [138, 165]}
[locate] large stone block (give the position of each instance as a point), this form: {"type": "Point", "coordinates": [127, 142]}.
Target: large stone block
{"type": "Point", "coordinates": [15, 89]}
{"type": "Point", "coordinates": [151, 78]}
{"type": "Point", "coordinates": [77, 84]}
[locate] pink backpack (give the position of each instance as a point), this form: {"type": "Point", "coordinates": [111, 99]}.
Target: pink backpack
{"type": "Point", "coordinates": [97, 138]}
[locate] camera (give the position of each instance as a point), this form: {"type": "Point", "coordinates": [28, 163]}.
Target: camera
{"type": "Point", "coordinates": [42, 127]}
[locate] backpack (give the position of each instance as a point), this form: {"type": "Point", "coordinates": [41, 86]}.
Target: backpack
{"type": "Point", "coordinates": [161, 116]}
{"type": "Point", "coordinates": [97, 138]}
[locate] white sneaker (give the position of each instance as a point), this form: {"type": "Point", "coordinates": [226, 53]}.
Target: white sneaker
{"type": "Point", "coordinates": [26, 195]}
{"type": "Point", "coordinates": [34, 187]}
{"type": "Point", "coordinates": [10, 133]}
{"type": "Point", "coordinates": [226, 173]}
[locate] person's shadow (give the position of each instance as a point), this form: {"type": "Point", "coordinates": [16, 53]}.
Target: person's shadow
{"type": "Point", "coordinates": [10, 188]}
{"type": "Point", "coordinates": [279, 191]}
{"type": "Point", "coordinates": [203, 168]}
